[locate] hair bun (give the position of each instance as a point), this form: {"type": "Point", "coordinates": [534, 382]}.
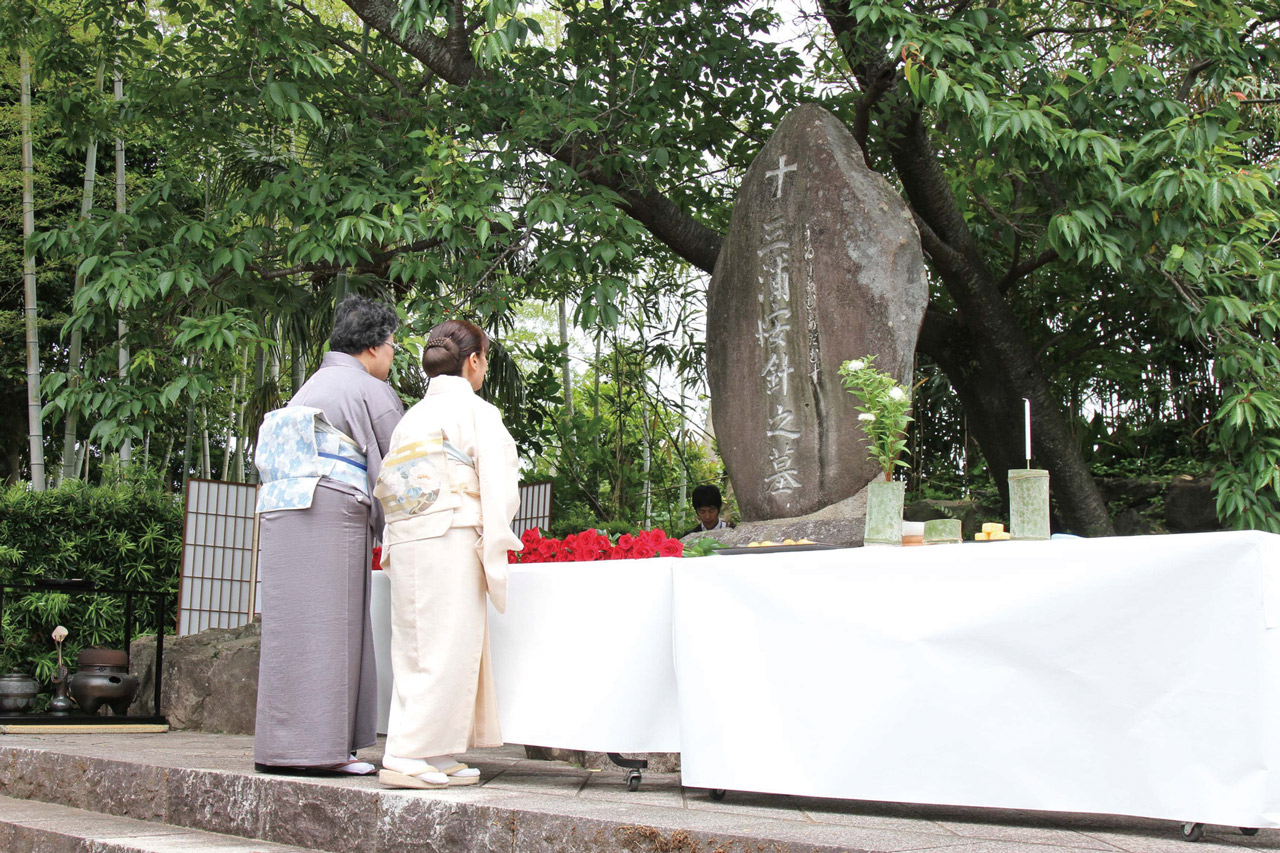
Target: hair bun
{"type": "Point", "coordinates": [445, 343]}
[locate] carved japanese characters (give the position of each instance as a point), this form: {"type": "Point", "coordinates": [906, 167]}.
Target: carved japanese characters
{"type": "Point", "coordinates": [822, 263]}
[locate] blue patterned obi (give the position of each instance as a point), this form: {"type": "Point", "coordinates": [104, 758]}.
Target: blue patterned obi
{"type": "Point", "coordinates": [296, 447]}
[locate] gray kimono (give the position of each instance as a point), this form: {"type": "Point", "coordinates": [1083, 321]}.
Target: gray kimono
{"type": "Point", "coordinates": [317, 686]}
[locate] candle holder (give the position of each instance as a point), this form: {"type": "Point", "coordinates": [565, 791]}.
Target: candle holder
{"type": "Point", "coordinates": [1029, 503]}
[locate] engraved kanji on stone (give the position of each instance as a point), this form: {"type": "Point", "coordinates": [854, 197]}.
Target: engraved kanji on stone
{"type": "Point", "coordinates": [776, 370]}
{"type": "Point", "coordinates": [774, 236]}
{"type": "Point", "coordinates": [773, 328]}
{"type": "Point", "coordinates": [780, 280]}
{"type": "Point", "coordinates": [783, 423]}
{"type": "Point", "coordinates": [785, 476]}
{"type": "Point", "coordinates": [780, 173]}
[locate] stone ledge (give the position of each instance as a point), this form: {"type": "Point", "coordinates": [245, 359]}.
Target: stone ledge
{"type": "Point", "coordinates": [52, 828]}
{"type": "Point", "coordinates": [839, 524]}
{"type": "Point", "coordinates": [339, 815]}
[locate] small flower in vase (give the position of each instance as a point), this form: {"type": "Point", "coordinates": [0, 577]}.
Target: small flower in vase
{"type": "Point", "coordinates": [883, 413]}
{"type": "Point", "coordinates": [59, 634]}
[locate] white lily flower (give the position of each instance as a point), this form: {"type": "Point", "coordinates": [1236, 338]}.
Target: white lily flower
{"type": "Point", "coordinates": [60, 634]}
{"type": "Point", "coordinates": [866, 416]}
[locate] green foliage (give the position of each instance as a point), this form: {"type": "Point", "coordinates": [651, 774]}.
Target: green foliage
{"type": "Point", "coordinates": [127, 536]}
{"type": "Point", "coordinates": [703, 547]}
{"type": "Point", "coordinates": [596, 458]}
{"type": "Point", "coordinates": [885, 407]}
{"type": "Point", "coordinates": [1113, 174]}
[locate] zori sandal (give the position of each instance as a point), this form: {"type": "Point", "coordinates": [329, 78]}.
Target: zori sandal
{"type": "Point", "coordinates": [460, 774]}
{"type": "Point", "coordinates": [426, 779]}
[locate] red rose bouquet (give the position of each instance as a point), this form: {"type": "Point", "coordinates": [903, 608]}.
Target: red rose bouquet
{"type": "Point", "coordinates": [594, 545]}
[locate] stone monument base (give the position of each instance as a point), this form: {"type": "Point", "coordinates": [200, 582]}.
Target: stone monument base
{"type": "Point", "coordinates": [840, 524]}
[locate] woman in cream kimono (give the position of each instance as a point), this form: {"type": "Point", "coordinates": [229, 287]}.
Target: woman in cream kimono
{"type": "Point", "coordinates": [449, 487]}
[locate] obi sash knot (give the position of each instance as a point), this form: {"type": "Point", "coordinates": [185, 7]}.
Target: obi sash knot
{"type": "Point", "coordinates": [296, 447]}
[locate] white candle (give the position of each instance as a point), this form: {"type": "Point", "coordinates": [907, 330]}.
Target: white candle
{"type": "Point", "coordinates": [1028, 430]}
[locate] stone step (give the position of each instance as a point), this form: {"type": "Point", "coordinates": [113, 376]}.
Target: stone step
{"type": "Point", "coordinates": [160, 785]}
{"type": "Point", "coordinates": [30, 825]}
{"type": "Point", "coordinates": [191, 782]}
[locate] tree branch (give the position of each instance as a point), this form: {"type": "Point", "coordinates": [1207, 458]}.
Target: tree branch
{"type": "Point", "coordinates": [455, 66]}
{"type": "Point", "coordinates": [1194, 71]}
{"type": "Point", "coordinates": [688, 238]}
{"type": "Point", "coordinates": [355, 53]}
{"type": "Point", "coordinates": [1026, 267]}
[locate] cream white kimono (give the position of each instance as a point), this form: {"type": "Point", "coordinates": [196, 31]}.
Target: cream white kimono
{"type": "Point", "coordinates": [446, 542]}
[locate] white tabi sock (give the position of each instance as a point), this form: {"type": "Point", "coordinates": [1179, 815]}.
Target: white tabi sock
{"type": "Point", "coordinates": [445, 761]}
{"type": "Point", "coordinates": [421, 768]}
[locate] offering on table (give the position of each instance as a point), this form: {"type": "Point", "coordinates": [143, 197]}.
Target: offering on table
{"type": "Point", "coordinates": [991, 532]}
{"type": "Point", "coordinates": [768, 542]}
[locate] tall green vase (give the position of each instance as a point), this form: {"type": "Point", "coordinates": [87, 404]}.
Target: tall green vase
{"type": "Point", "coordinates": [1029, 503]}
{"type": "Point", "coordinates": [884, 512]}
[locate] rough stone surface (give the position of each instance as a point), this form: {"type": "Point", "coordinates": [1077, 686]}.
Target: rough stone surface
{"type": "Point", "coordinates": [1179, 504]}
{"type": "Point", "coordinates": [1189, 506]}
{"type": "Point", "coordinates": [822, 263]}
{"type": "Point", "coordinates": [838, 524]}
{"type": "Point", "coordinates": [36, 827]}
{"type": "Point", "coordinates": [306, 818]}
{"type": "Point", "coordinates": [210, 678]}
{"type": "Point", "coordinates": [226, 803]}
{"type": "Point", "coordinates": [521, 805]}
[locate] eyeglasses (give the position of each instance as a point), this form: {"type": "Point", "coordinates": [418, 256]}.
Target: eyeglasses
{"type": "Point", "coordinates": [395, 347]}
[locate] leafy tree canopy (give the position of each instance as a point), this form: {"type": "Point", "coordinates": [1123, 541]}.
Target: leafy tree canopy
{"type": "Point", "coordinates": [1095, 186]}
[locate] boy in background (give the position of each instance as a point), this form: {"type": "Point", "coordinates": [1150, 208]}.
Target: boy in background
{"type": "Point", "coordinates": [707, 504]}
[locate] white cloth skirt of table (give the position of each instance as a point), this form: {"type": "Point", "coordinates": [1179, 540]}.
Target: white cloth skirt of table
{"type": "Point", "coordinates": [380, 618]}
{"type": "Point", "coordinates": [582, 658]}
{"type": "Point", "coordinates": [1125, 676]}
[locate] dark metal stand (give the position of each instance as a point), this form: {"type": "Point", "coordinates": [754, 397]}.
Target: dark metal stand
{"type": "Point", "coordinates": [85, 588]}
{"type": "Point", "coordinates": [634, 765]}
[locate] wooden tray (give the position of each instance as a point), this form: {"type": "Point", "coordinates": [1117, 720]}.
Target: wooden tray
{"type": "Point", "coordinates": [776, 549]}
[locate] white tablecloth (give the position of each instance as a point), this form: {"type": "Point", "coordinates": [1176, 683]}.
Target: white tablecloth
{"type": "Point", "coordinates": [1125, 676]}
{"type": "Point", "coordinates": [582, 658]}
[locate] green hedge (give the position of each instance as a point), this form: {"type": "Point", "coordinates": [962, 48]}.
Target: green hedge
{"type": "Point", "coordinates": [123, 536]}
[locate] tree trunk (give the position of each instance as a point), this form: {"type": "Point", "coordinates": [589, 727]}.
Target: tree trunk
{"type": "Point", "coordinates": [35, 427]}
{"type": "Point", "coordinates": [299, 365]}
{"type": "Point", "coordinates": [122, 354]}
{"type": "Point", "coordinates": [564, 342]}
{"type": "Point", "coordinates": [241, 441]}
{"type": "Point", "coordinates": [74, 373]}
{"type": "Point", "coordinates": [231, 430]}
{"type": "Point", "coordinates": [259, 380]}
{"type": "Point", "coordinates": [204, 442]}
{"type": "Point", "coordinates": [996, 343]}
{"type": "Point", "coordinates": [186, 443]}
{"type": "Point", "coordinates": [164, 463]}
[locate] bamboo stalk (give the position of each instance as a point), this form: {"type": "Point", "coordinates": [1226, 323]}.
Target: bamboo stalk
{"type": "Point", "coordinates": [35, 426]}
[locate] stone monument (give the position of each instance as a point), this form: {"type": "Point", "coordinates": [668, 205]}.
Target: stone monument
{"type": "Point", "coordinates": [822, 263]}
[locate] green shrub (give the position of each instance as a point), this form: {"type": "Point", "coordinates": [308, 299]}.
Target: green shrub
{"type": "Point", "coordinates": [125, 536]}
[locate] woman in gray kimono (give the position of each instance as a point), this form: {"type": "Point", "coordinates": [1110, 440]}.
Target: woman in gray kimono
{"type": "Point", "coordinates": [319, 458]}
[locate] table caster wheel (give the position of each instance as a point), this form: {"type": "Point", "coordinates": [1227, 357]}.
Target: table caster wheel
{"type": "Point", "coordinates": [633, 780]}
{"type": "Point", "coordinates": [1248, 830]}
{"type": "Point", "coordinates": [1192, 831]}
{"type": "Point", "coordinates": [717, 793]}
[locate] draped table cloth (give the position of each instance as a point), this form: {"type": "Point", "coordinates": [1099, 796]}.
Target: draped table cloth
{"type": "Point", "coordinates": [1134, 675]}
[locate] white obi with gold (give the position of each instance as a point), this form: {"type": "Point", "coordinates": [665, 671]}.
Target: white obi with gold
{"type": "Point", "coordinates": [296, 447]}
{"type": "Point", "coordinates": [426, 487]}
